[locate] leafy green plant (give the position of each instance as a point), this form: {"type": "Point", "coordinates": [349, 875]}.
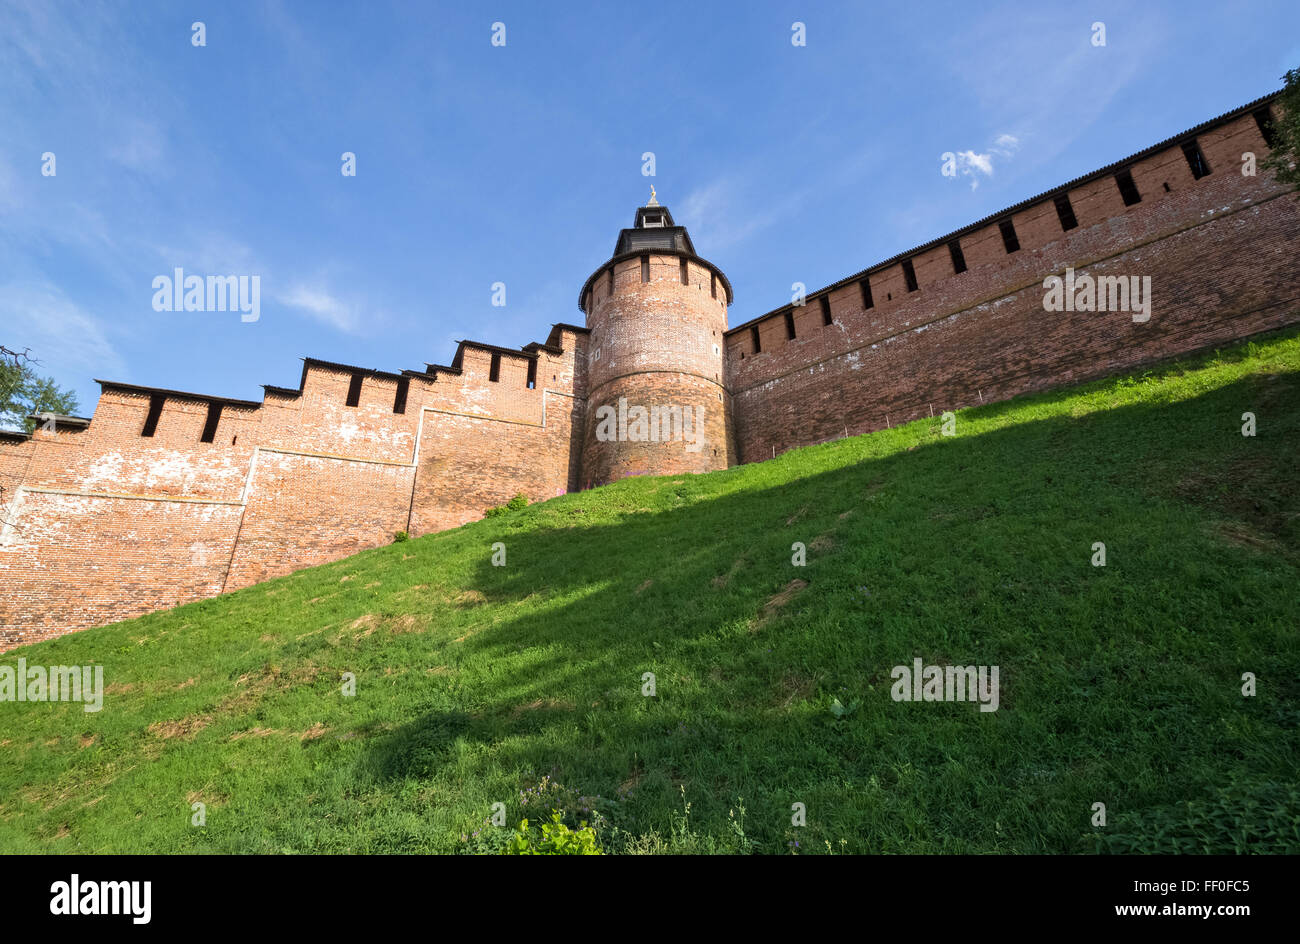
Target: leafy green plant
{"type": "Point", "coordinates": [1245, 815]}
{"type": "Point", "coordinates": [520, 501]}
{"type": "Point", "coordinates": [24, 392]}
{"type": "Point", "coordinates": [401, 536]}
{"type": "Point", "coordinates": [479, 674]}
{"type": "Point", "coordinates": [1284, 161]}
{"type": "Point", "coordinates": [840, 710]}
{"type": "Point", "coordinates": [554, 838]}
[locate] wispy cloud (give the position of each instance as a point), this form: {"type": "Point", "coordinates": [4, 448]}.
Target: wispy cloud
{"type": "Point", "coordinates": [732, 208]}
{"type": "Point", "coordinates": [971, 164]}
{"type": "Point", "coordinates": [64, 336]}
{"type": "Point", "coordinates": [1073, 82]}
{"type": "Point", "coordinates": [140, 147]}
{"type": "Point", "coordinates": [727, 211]}
{"type": "Point", "coordinates": [318, 303]}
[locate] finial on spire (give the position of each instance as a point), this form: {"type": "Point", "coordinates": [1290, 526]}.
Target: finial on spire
{"type": "Point", "coordinates": [654, 202]}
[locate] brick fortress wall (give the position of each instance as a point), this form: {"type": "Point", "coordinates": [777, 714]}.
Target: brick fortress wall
{"type": "Point", "coordinates": [1220, 251]}
{"type": "Point", "coordinates": [99, 522]}
{"type": "Point", "coordinates": [657, 325]}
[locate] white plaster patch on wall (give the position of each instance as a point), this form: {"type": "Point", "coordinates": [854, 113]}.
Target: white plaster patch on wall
{"type": "Point", "coordinates": [10, 533]}
{"type": "Point", "coordinates": [347, 430]}
{"type": "Point", "coordinates": [107, 468]}
{"type": "Point", "coordinates": [171, 468]}
{"type": "Point", "coordinates": [111, 472]}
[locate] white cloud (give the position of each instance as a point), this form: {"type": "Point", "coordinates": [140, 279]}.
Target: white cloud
{"type": "Point", "coordinates": [991, 62]}
{"type": "Point", "coordinates": [65, 337]}
{"type": "Point", "coordinates": [980, 162]}
{"type": "Point", "coordinates": [321, 305]}
{"type": "Point", "coordinates": [970, 164]}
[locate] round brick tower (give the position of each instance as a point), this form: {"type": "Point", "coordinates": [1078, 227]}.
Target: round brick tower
{"type": "Point", "coordinates": [657, 403]}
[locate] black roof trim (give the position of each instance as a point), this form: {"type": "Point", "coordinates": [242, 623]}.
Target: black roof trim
{"type": "Point", "coordinates": [309, 362]}
{"type": "Point", "coordinates": [61, 419]}
{"type": "Point", "coordinates": [497, 349]}
{"type": "Point", "coordinates": [457, 362]}
{"type": "Point", "coordinates": [527, 352]}
{"type": "Point", "coordinates": [282, 391]}
{"type": "Point", "coordinates": [643, 250]}
{"type": "Point", "coordinates": [176, 394]}
{"type": "Point", "coordinates": [330, 365]}
{"type": "Point", "coordinates": [1069, 185]}
{"type": "Point", "coordinates": [726, 283]}
{"type": "Point", "coordinates": [640, 213]}
{"type": "Point", "coordinates": [14, 436]}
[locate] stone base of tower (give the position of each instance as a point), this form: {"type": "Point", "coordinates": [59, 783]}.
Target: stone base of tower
{"type": "Point", "coordinates": [657, 423]}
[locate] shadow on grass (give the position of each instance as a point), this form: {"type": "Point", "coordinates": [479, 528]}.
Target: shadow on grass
{"type": "Point", "coordinates": [1119, 683]}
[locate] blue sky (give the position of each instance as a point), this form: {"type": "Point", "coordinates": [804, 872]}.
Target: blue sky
{"type": "Point", "coordinates": [518, 164]}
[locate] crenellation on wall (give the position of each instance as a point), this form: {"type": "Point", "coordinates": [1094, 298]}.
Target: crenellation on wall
{"type": "Point", "coordinates": [987, 334]}
{"type": "Point", "coordinates": [99, 523]}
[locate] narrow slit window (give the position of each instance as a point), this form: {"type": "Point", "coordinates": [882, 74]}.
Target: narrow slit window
{"type": "Point", "coordinates": [645, 268]}
{"type": "Point", "coordinates": [789, 325]}
{"type": "Point", "coordinates": [155, 411]}
{"type": "Point", "coordinates": [1065, 212]}
{"type": "Point", "coordinates": [1264, 121]}
{"type": "Point", "coordinates": [867, 301]}
{"type": "Point", "coordinates": [210, 427]}
{"type": "Point", "coordinates": [532, 374]}
{"type": "Point", "coordinates": [826, 310]}
{"type": "Point", "coordinates": [686, 276]}
{"type": "Point", "coordinates": [1195, 159]}
{"type": "Point", "coordinates": [354, 390]}
{"type": "Point", "coordinates": [494, 371]}
{"type": "Point", "coordinates": [758, 347]}
{"type": "Point", "coordinates": [1009, 238]}
{"type": "Point", "coordinates": [586, 301]}
{"type": "Point", "coordinates": [611, 280]}
{"type": "Point", "coordinates": [909, 275]}
{"type": "Point", "coordinates": [713, 285]}
{"type": "Point", "coordinates": [399, 399]}
{"type": "Point", "coordinates": [958, 257]}
{"type": "Point", "coordinates": [1127, 189]}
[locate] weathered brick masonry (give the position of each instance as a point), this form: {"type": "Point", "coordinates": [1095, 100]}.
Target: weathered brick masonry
{"type": "Point", "coordinates": [165, 497]}
{"type": "Point", "coordinates": [132, 512]}
{"type": "Point", "coordinates": [1220, 251]}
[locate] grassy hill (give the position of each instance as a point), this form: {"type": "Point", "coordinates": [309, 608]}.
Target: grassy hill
{"type": "Point", "coordinates": [522, 684]}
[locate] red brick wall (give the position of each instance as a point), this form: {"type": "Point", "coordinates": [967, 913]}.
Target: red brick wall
{"type": "Point", "coordinates": [1220, 252]}
{"type": "Point", "coordinates": [101, 524]}
{"type": "Point", "coordinates": [77, 560]}
{"type": "Point", "coordinates": [657, 343]}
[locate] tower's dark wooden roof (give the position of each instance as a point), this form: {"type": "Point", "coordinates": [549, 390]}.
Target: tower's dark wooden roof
{"type": "Point", "coordinates": [663, 239]}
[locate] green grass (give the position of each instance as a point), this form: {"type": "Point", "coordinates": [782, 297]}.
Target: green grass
{"type": "Point", "coordinates": [479, 684]}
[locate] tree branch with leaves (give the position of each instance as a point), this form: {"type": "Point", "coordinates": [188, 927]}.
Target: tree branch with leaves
{"type": "Point", "coordinates": [23, 391]}
{"type": "Point", "coordinates": [1284, 161]}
